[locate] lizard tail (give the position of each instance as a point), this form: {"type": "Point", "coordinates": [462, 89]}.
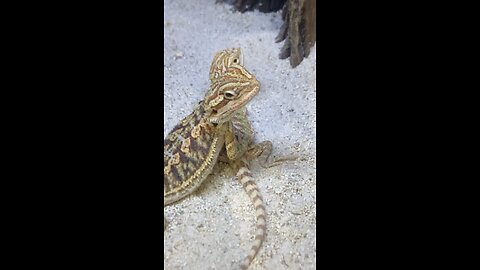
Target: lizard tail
{"type": "Point", "coordinates": [245, 177]}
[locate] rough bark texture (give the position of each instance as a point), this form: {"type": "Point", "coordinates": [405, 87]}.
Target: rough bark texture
{"type": "Point", "coordinates": [299, 26]}
{"type": "Point", "coordinates": [298, 30]}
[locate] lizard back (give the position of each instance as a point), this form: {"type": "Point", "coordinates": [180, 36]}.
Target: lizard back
{"type": "Point", "coordinates": [190, 152]}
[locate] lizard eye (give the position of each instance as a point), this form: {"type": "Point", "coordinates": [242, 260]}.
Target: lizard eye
{"type": "Point", "coordinates": [230, 95]}
{"type": "Point", "coordinates": [235, 60]}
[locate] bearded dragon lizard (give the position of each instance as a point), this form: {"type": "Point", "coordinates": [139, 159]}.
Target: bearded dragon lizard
{"type": "Point", "coordinates": [218, 129]}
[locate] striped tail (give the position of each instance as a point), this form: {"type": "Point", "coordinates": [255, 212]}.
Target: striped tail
{"type": "Point", "coordinates": [245, 177]}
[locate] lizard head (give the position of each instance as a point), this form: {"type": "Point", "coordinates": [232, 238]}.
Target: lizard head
{"type": "Point", "coordinates": [223, 60]}
{"type": "Point", "coordinates": [229, 93]}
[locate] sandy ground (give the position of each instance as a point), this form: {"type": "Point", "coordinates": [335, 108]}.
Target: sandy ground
{"type": "Point", "coordinates": [214, 228]}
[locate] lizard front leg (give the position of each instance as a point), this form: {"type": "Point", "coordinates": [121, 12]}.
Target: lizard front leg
{"type": "Point", "coordinates": [263, 151]}
{"type": "Point", "coordinates": [240, 135]}
{"type": "Point", "coordinates": [240, 143]}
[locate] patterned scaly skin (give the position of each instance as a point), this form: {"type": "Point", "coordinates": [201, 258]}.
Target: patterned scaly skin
{"type": "Point", "coordinates": [191, 149]}
{"type": "Point", "coordinates": [218, 127]}
{"type": "Point", "coordinates": [239, 144]}
{"type": "Point", "coordinates": [241, 125]}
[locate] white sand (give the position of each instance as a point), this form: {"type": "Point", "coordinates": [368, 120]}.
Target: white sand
{"type": "Point", "coordinates": [214, 228]}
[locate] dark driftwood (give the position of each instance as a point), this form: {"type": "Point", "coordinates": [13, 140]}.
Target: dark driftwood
{"type": "Point", "coordinates": [262, 5]}
{"type": "Point", "coordinates": [298, 30]}
{"type": "Point", "coordinates": [299, 26]}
